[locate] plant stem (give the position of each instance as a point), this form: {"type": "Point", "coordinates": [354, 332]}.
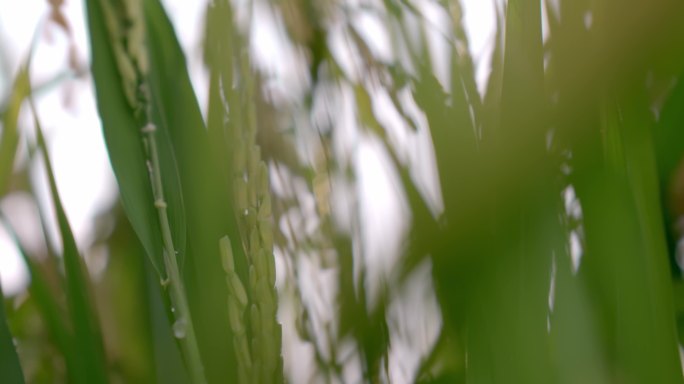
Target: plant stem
{"type": "Point", "coordinates": [183, 327]}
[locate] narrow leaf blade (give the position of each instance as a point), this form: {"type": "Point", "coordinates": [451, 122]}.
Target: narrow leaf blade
{"type": "Point", "coordinates": [86, 327]}
{"type": "Point", "coordinates": [9, 361]}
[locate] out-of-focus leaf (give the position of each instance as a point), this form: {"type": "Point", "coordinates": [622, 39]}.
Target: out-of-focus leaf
{"type": "Point", "coordinates": [492, 96]}
{"type": "Point", "coordinates": [9, 361]}
{"type": "Point", "coordinates": [125, 309]}
{"type": "Point", "coordinates": [218, 52]}
{"type": "Point", "coordinates": [87, 340]}
{"type": "Point", "coordinates": [508, 300]}
{"type": "Point", "coordinates": [576, 347]}
{"type": "Point", "coordinates": [9, 139]}
{"type": "Point", "coordinates": [443, 364]}
{"type": "Point", "coordinates": [668, 139]}
{"type": "Point", "coordinates": [49, 309]}
{"type": "Point", "coordinates": [364, 109]}
{"type": "Point", "coordinates": [647, 318]}
{"type": "Point", "coordinates": [461, 226]}
{"type": "Point", "coordinates": [603, 120]}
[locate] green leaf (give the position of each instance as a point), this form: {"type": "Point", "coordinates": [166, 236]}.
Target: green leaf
{"type": "Point", "coordinates": [39, 289]}
{"type": "Point", "coordinates": [126, 153]}
{"type": "Point", "coordinates": [646, 319]}
{"type": "Point", "coordinates": [576, 347]}
{"type": "Point", "coordinates": [9, 138]}
{"type": "Point", "coordinates": [606, 126]}
{"type": "Point", "coordinates": [168, 362]}
{"type": "Point", "coordinates": [87, 339]}
{"type": "Point", "coordinates": [9, 361]}
{"type": "Point", "coordinates": [506, 306]}
{"type": "Point", "coordinates": [668, 138]}
{"type": "Point", "coordinates": [206, 192]}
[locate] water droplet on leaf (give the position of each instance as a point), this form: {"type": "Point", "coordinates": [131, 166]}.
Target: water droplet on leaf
{"type": "Point", "coordinates": [179, 328]}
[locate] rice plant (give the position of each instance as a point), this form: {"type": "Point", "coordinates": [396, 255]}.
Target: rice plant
{"type": "Point", "coordinates": [348, 195]}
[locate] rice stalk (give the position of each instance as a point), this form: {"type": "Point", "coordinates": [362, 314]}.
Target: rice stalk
{"type": "Point", "coordinates": [125, 24]}
{"type": "Point", "coordinates": [257, 351]}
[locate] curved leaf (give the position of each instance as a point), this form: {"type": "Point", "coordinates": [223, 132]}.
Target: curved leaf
{"type": "Point", "coordinates": [126, 152]}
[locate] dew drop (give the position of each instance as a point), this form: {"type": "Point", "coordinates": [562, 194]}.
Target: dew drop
{"type": "Point", "coordinates": [179, 328]}
{"type": "Point", "coordinates": [173, 310]}
{"type": "Point", "coordinates": [588, 20]}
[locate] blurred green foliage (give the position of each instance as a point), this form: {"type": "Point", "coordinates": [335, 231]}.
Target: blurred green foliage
{"type": "Point", "coordinates": [553, 247]}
